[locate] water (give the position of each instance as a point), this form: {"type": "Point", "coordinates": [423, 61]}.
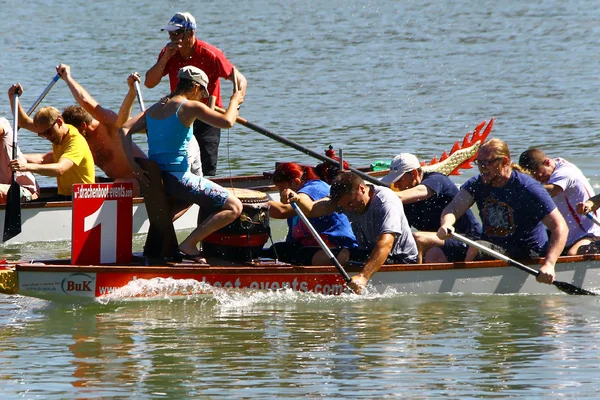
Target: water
{"type": "Point", "coordinates": [373, 78]}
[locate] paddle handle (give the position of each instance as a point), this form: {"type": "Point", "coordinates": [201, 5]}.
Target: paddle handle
{"type": "Point", "coordinates": [44, 93]}
{"type": "Point", "coordinates": [495, 254]}
{"type": "Point", "coordinates": [322, 244]}
{"type": "Point", "coordinates": [138, 94]}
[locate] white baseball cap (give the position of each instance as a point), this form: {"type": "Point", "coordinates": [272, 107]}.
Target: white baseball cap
{"type": "Point", "coordinates": [181, 20]}
{"type": "Point", "coordinates": [401, 164]}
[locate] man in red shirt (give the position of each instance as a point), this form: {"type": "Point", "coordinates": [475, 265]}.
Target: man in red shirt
{"type": "Point", "coordinates": [185, 49]}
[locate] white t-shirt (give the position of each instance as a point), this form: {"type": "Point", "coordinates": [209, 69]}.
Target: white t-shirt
{"type": "Point", "coordinates": [576, 189]}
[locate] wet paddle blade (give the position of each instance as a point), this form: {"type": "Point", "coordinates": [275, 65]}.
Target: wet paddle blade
{"type": "Point", "coordinates": [572, 289]}
{"type": "Point", "coordinates": [12, 214]}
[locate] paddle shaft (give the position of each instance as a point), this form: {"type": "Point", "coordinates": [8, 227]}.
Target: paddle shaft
{"type": "Point", "coordinates": [495, 254]}
{"type": "Point", "coordinates": [563, 286]}
{"type": "Point", "coordinates": [301, 148]}
{"type": "Point", "coordinates": [138, 93]}
{"type": "Point", "coordinates": [12, 214]}
{"type": "Point", "coordinates": [593, 218]}
{"type": "Point", "coordinates": [322, 244]}
{"type": "Point", "coordinates": [44, 93]}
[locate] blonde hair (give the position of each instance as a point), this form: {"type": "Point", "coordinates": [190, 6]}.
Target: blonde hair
{"type": "Point", "coordinates": [46, 116]}
{"type": "Point", "coordinates": [499, 148]}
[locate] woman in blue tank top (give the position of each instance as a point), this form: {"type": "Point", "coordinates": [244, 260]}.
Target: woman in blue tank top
{"type": "Point", "coordinates": [168, 124]}
{"type": "Point", "coordinates": [300, 247]}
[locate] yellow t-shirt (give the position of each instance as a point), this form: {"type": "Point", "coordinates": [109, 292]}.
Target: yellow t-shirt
{"type": "Point", "coordinates": [75, 148]}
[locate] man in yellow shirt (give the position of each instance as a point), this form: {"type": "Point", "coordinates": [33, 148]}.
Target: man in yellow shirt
{"type": "Point", "coordinates": [70, 160]}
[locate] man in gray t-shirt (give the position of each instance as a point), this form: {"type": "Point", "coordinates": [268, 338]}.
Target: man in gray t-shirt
{"type": "Point", "coordinates": [378, 222]}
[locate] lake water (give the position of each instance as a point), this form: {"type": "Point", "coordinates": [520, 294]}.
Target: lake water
{"type": "Point", "coordinates": [373, 78]}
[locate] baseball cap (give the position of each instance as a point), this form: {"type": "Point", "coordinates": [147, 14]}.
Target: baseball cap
{"type": "Point", "coordinates": [195, 74]}
{"type": "Point", "coordinates": [180, 20]}
{"type": "Point", "coordinates": [401, 164]}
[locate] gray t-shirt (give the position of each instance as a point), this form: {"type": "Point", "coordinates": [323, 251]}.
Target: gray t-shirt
{"type": "Point", "coordinates": [384, 214]}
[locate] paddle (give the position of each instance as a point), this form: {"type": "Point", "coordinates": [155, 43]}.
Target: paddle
{"type": "Point", "coordinates": [302, 149]}
{"type": "Point", "coordinates": [322, 244]}
{"type": "Point", "coordinates": [12, 214]}
{"type": "Point", "coordinates": [564, 286]}
{"type": "Point", "coordinates": [593, 218]}
{"type": "Point", "coordinates": [44, 93]}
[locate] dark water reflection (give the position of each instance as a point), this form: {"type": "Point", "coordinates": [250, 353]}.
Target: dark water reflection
{"type": "Point", "coordinates": [292, 345]}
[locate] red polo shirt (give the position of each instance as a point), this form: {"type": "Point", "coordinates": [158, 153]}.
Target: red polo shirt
{"type": "Point", "coordinates": [209, 59]}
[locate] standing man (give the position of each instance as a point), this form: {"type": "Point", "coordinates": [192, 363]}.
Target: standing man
{"type": "Point", "coordinates": [424, 196]}
{"type": "Point", "coordinates": [185, 49]}
{"type": "Point", "coordinates": [70, 160]}
{"type": "Point", "coordinates": [513, 208]}
{"type": "Point", "coordinates": [567, 186]}
{"type": "Point", "coordinates": [377, 219]}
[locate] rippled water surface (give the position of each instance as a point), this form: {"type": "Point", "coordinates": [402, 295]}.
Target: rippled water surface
{"type": "Point", "coordinates": [373, 78]}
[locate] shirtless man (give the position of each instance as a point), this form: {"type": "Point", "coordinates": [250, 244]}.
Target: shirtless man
{"type": "Point", "coordinates": [101, 127]}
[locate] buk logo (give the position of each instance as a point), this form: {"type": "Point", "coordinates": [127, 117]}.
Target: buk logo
{"type": "Point", "coordinates": [78, 283]}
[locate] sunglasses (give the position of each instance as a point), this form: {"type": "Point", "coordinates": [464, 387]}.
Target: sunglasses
{"type": "Point", "coordinates": [485, 163]}
{"type": "Point", "coordinates": [48, 131]}
{"type": "Point", "coordinates": [176, 33]}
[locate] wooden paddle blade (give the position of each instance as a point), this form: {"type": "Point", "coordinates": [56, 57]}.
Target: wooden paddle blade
{"type": "Point", "coordinates": [12, 214]}
{"type": "Point", "coordinates": [572, 289]}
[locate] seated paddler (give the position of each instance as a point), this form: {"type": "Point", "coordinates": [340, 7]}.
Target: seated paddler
{"type": "Point", "coordinates": [299, 247]}
{"type": "Point", "coordinates": [70, 160]}
{"type": "Point", "coordinates": [169, 126]}
{"type": "Point", "coordinates": [377, 219]}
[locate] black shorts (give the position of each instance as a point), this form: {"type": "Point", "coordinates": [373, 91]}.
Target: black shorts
{"type": "Point", "coordinates": [454, 250]}
{"type": "Point", "coordinates": [208, 138]}
{"type": "Point", "coordinates": [361, 255]}
{"type": "Point", "coordinates": [297, 254]}
{"type": "Point", "coordinates": [509, 251]}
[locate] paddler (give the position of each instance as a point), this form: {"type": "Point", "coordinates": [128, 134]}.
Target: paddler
{"type": "Point", "coordinates": [377, 219]}
{"type": "Point", "coordinates": [516, 211]}
{"type": "Point", "coordinates": [184, 48]}
{"type": "Point", "coordinates": [169, 127]}
{"type": "Point", "coordinates": [70, 160]}
{"type": "Point", "coordinates": [29, 187]}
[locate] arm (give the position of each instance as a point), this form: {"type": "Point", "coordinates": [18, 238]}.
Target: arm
{"type": "Point", "coordinates": [197, 110]}
{"type": "Point", "coordinates": [84, 99]}
{"type": "Point", "coordinates": [25, 120]}
{"type": "Point", "coordinates": [279, 210]}
{"type": "Point", "coordinates": [558, 237]}
{"type": "Point", "coordinates": [312, 209]}
{"type": "Point", "coordinates": [125, 110]}
{"type": "Point", "coordinates": [590, 205]}
{"type": "Point", "coordinates": [157, 71]}
{"type": "Point", "coordinates": [52, 169]}
{"type": "Point", "coordinates": [383, 246]}
{"type": "Point", "coordinates": [553, 190]}
{"type": "Point", "coordinates": [39, 158]}
{"type": "Point", "coordinates": [453, 211]}
{"type": "Point", "coordinates": [418, 193]}
{"type": "Point", "coordinates": [134, 125]}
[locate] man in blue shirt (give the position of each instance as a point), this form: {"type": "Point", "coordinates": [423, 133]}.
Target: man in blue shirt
{"type": "Point", "coordinates": [514, 208]}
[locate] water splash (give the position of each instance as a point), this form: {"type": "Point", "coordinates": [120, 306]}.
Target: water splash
{"type": "Point", "coordinates": [189, 289]}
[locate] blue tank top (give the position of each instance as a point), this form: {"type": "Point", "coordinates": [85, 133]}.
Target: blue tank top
{"type": "Point", "coordinates": [167, 141]}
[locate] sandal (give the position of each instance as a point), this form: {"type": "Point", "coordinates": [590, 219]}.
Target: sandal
{"type": "Point", "coordinates": [197, 258]}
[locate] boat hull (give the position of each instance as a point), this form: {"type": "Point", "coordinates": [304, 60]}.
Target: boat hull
{"type": "Point", "coordinates": [38, 216]}
{"type": "Point", "coordinates": [54, 281]}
